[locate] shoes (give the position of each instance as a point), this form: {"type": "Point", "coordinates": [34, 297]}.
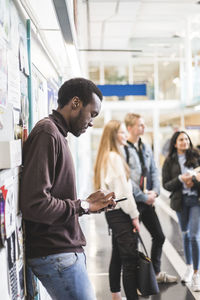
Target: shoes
{"type": "Point", "coordinates": [195, 283]}
{"type": "Point", "coordinates": [187, 277]}
{"type": "Point", "coordinates": [163, 277]}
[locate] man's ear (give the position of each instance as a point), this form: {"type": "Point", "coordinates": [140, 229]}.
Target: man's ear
{"type": "Point", "coordinates": [75, 102]}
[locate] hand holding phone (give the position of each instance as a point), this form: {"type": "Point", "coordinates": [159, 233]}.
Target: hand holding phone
{"type": "Point", "coordinates": [121, 199]}
{"type": "Point", "coordinates": [110, 206]}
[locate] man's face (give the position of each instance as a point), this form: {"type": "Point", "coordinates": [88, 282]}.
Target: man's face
{"type": "Point", "coordinates": [85, 116]}
{"type": "Point", "coordinates": [138, 128]}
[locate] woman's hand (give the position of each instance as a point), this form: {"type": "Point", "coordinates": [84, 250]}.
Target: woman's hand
{"type": "Point", "coordinates": [136, 224]}
{"type": "Point", "coordinates": [198, 176]}
{"type": "Point", "coordinates": [187, 179]}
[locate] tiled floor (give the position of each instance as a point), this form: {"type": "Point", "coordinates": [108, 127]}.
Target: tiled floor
{"type": "Point", "coordinates": [98, 252]}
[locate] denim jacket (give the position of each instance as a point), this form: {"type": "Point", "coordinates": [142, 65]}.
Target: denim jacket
{"type": "Point", "coordinates": [136, 171]}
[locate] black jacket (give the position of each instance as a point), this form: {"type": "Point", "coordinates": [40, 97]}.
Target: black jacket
{"type": "Point", "coordinates": [170, 172]}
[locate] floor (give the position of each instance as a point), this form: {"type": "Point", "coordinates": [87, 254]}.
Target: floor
{"type": "Point", "coordinates": [98, 252]}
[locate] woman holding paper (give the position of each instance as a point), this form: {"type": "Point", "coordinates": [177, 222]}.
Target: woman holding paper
{"type": "Point", "coordinates": [112, 173]}
{"type": "Point", "coordinates": [180, 178]}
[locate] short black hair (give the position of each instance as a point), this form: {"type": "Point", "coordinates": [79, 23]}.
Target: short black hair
{"type": "Point", "coordinates": [80, 87]}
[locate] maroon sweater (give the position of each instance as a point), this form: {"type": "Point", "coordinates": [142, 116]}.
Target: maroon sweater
{"type": "Point", "coordinates": [48, 198]}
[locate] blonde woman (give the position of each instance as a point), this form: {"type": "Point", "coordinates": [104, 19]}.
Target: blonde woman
{"type": "Point", "coordinates": [112, 174]}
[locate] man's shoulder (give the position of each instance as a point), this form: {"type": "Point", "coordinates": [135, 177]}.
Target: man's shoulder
{"type": "Point", "coordinates": [46, 125]}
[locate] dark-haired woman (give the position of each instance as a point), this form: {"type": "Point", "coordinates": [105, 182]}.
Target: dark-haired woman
{"type": "Point", "coordinates": [179, 178]}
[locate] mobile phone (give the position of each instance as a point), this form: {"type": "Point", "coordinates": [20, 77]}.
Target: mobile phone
{"type": "Point", "coordinates": [121, 199]}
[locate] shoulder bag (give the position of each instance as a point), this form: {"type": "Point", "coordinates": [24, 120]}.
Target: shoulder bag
{"type": "Point", "coordinates": [146, 278]}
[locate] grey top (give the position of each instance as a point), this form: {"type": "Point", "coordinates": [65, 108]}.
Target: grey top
{"type": "Point", "coordinates": [184, 169]}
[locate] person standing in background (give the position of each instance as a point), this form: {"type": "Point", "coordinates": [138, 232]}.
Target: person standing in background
{"type": "Point", "coordinates": [182, 181]}
{"type": "Point", "coordinates": [165, 148]}
{"type": "Point", "coordinates": [111, 172]}
{"type": "Point", "coordinates": [48, 200]}
{"type": "Point", "coordinates": [145, 188]}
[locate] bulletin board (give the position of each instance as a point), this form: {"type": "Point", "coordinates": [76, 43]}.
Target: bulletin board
{"type": "Point", "coordinates": [39, 95]}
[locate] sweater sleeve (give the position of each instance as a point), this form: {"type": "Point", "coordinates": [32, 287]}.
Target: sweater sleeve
{"type": "Point", "coordinates": [38, 175]}
{"type": "Point", "coordinates": [116, 181]}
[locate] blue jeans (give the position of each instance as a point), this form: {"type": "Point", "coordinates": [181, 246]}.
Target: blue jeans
{"type": "Point", "coordinates": [189, 220]}
{"type": "Point", "coordinates": [64, 276]}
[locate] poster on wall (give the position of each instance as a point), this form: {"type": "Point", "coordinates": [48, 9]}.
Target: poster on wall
{"type": "Point", "coordinates": [5, 19]}
{"type": "Point", "coordinates": [2, 220]}
{"type": "Point", "coordinates": [52, 97]}
{"type": "Point", "coordinates": [20, 261]}
{"type": "Point", "coordinates": [13, 80]}
{"type": "Point", "coordinates": [39, 96]}
{"type": "Point", "coordinates": [12, 266]}
{"type": "Point", "coordinates": [3, 74]}
{"type": "Point", "coordinates": [23, 57]}
{"type": "Point", "coordinates": [14, 29]}
{"type": "Point", "coordinates": [9, 212]}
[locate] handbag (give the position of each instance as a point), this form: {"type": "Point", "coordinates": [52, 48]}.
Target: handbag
{"type": "Point", "coordinates": [146, 278]}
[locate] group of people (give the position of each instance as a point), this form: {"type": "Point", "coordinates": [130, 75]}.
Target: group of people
{"type": "Point", "coordinates": [125, 165]}
{"type": "Point", "coordinates": [124, 168]}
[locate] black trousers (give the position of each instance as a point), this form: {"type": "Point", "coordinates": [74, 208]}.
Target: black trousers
{"type": "Point", "coordinates": [150, 220]}
{"type": "Point", "coordinates": [124, 253]}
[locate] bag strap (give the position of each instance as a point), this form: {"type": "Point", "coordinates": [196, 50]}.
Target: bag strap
{"type": "Point", "coordinates": [127, 154]}
{"type": "Point", "coordinates": [142, 243]}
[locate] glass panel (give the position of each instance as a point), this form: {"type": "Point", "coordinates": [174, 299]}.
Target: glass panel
{"type": "Point", "coordinates": [116, 74]}
{"type": "Point", "coordinates": [169, 80]}
{"type": "Point", "coordinates": [144, 73]}
{"type": "Point", "coordinates": [94, 73]}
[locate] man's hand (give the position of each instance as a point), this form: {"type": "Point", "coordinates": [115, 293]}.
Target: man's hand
{"type": "Point", "coordinates": [151, 197]}
{"type": "Point", "coordinates": [99, 201]}
{"type": "Point", "coordinates": [136, 224]}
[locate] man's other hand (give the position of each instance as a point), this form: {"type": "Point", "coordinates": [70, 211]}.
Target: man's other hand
{"type": "Point", "coordinates": [99, 201]}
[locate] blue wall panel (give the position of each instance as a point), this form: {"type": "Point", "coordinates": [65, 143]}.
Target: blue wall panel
{"type": "Point", "coordinates": [123, 90]}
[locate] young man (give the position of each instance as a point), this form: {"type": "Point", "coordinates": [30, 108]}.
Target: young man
{"type": "Point", "coordinates": [48, 200]}
{"type": "Point", "coordinates": [145, 183]}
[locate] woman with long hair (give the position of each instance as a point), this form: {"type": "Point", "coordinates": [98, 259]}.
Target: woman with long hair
{"type": "Point", "coordinates": [181, 179]}
{"type": "Point", "coordinates": [111, 172]}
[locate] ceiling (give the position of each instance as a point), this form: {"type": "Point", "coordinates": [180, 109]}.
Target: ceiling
{"type": "Point", "coordinates": [117, 32]}
{"type": "Point", "coordinates": [114, 30]}
{"type": "Point", "coordinates": [120, 32]}
{"type": "Point", "coordinates": [124, 29]}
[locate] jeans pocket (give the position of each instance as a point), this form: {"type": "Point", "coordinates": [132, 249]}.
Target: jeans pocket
{"type": "Point", "coordinates": [66, 261]}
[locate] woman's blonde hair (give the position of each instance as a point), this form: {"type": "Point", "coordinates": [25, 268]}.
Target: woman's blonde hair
{"type": "Point", "coordinates": [107, 144]}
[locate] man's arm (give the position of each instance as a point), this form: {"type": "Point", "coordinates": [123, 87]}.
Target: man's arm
{"type": "Point", "coordinates": [37, 202]}
{"type": "Point", "coordinates": [154, 175]}
{"type": "Point", "coordinates": [38, 175]}
{"type": "Point", "coordinates": [137, 192]}
{"type": "Point", "coordinates": [139, 195]}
